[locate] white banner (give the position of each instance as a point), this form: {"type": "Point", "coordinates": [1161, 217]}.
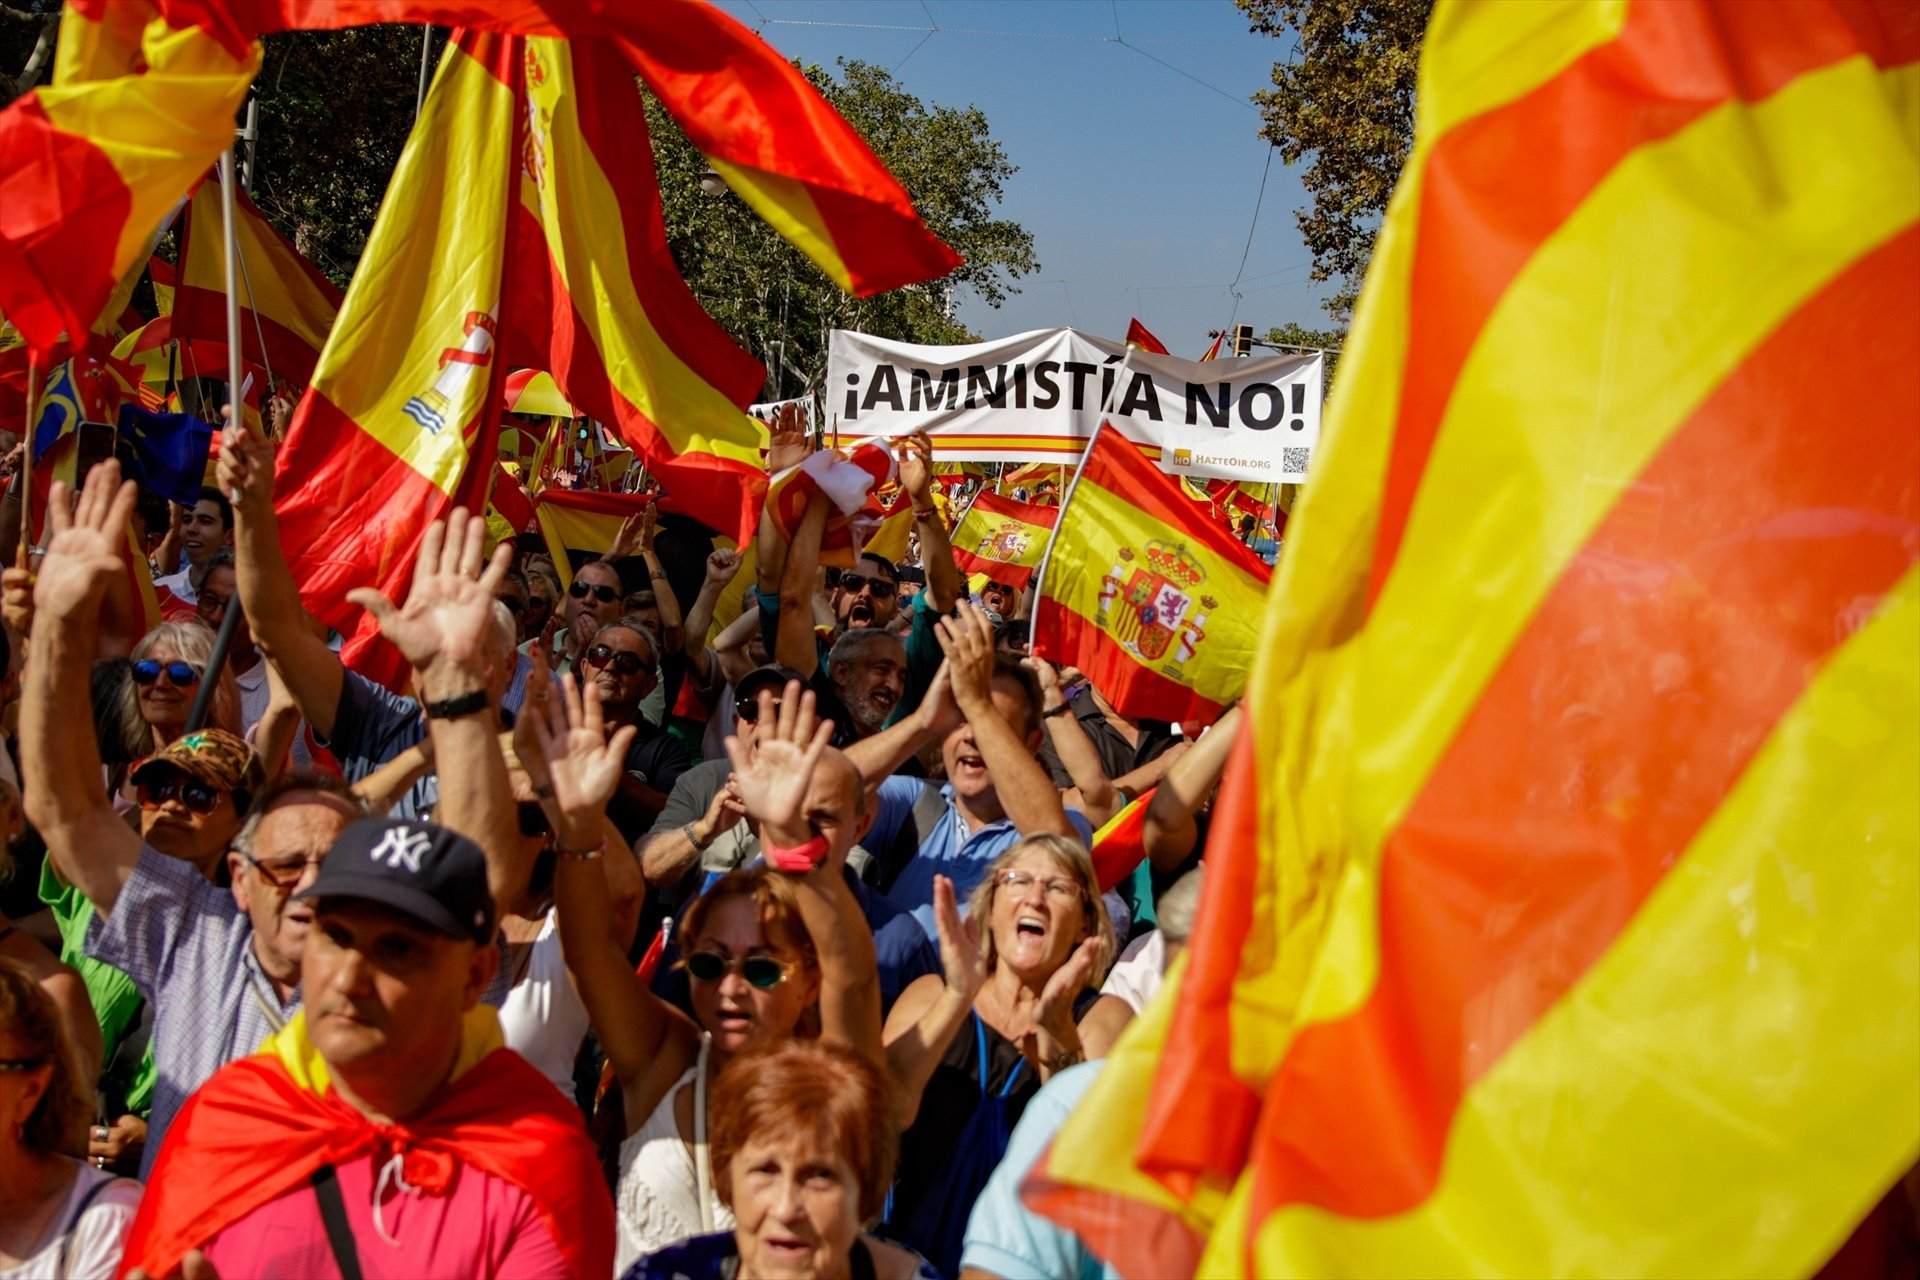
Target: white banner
{"type": "Point", "coordinates": [1038, 396]}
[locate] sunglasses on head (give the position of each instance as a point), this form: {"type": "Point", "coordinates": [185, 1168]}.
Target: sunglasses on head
{"type": "Point", "coordinates": [146, 671]}
{"type": "Point", "coordinates": [763, 973]}
{"type": "Point", "coordinates": [623, 662]}
{"type": "Point", "coordinates": [191, 792]}
{"type": "Point", "coordinates": [533, 819]}
{"type": "Point", "coordinates": [604, 594]}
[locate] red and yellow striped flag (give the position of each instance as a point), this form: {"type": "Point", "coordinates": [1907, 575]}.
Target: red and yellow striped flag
{"type": "Point", "coordinates": [90, 165]}
{"type": "Point", "coordinates": [1561, 900]}
{"type": "Point", "coordinates": [283, 297]}
{"type": "Point", "coordinates": [406, 399]}
{"type": "Point", "coordinates": [1004, 539]}
{"type": "Point", "coordinates": [582, 520]}
{"type": "Point", "coordinates": [1144, 593]}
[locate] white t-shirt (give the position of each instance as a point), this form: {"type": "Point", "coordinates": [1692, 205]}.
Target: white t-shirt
{"type": "Point", "coordinates": [1136, 976]}
{"type": "Point", "coordinates": [181, 584]}
{"type": "Point", "coordinates": [254, 695]}
{"type": "Point", "coordinates": [543, 1018]}
{"type": "Point", "coordinates": [87, 1249]}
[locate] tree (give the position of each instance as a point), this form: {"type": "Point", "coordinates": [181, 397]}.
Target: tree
{"type": "Point", "coordinates": [27, 29]}
{"type": "Point", "coordinates": [1346, 100]}
{"type": "Point", "coordinates": [1298, 335]}
{"type": "Point", "coordinates": [775, 302]}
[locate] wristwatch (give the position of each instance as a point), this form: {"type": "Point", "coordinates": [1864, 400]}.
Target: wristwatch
{"type": "Point", "coordinates": [464, 705]}
{"type": "Point", "coordinates": [1060, 710]}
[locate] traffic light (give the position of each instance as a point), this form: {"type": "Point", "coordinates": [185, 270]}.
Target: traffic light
{"type": "Point", "coordinates": [1242, 339]}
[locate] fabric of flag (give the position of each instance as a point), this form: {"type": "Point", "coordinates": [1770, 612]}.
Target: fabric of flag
{"type": "Point", "coordinates": [584, 521]}
{"type": "Point", "coordinates": [1559, 911]}
{"type": "Point", "coordinates": [1003, 539]}
{"type": "Point", "coordinates": [1213, 348]}
{"type": "Point", "coordinates": [758, 121]}
{"type": "Point", "coordinates": [1041, 480]}
{"type": "Point", "coordinates": [845, 478]}
{"type": "Point", "coordinates": [400, 422]}
{"type": "Point", "coordinates": [169, 450]}
{"type": "Point", "coordinates": [285, 303]}
{"type": "Point", "coordinates": [1119, 846]}
{"type": "Point", "coordinates": [1156, 603]}
{"type": "Point", "coordinates": [165, 278]}
{"type": "Point", "coordinates": [91, 164]}
{"type": "Point", "coordinates": [889, 537]}
{"type": "Point", "coordinates": [511, 501]}
{"type": "Point", "coordinates": [1138, 335]}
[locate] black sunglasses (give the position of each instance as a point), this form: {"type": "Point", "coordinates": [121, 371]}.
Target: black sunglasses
{"type": "Point", "coordinates": [880, 587]}
{"type": "Point", "coordinates": [146, 671]}
{"type": "Point", "coordinates": [191, 792]}
{"type": "Point", "coordinates": [514, 604]}
{"type": "Point", "coordinates": [533, 819]}
{"type": "Point", "coordinates": [748, 708]}
{"type": "Point", "coordinates": [763, 973]}
{"type": "Point", "coordinates": [622, 661]}
{"type": "Point", "coordinates": [604, 594]}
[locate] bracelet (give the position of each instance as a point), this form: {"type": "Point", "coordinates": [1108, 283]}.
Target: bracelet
{"type": "Point", "coordinates": [464, 705]}
{"type": "Point", "coordinates": [1060, 710]}
{"type": "Point", "coordinates": [1064, 1059]}
{"type": "Point", "coordinates": [686, 829]}
{"type": "Point", "coordinates": [582, 855]}
{"type": "Point", "coordinates": [926, 513]}
{"type": "Point", "coordinates": [798, 860]}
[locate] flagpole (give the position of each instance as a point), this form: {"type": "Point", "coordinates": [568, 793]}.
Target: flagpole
{"type": "Point", "coordinates": [426, 61]}
{"type": "Point", "coordinates": [24, 546]}
{"type": "Point", "coordinates": [231, 245]}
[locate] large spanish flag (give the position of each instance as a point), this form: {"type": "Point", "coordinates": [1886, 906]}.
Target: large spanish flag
{"type": "Point", "coordinates": [90, 165]}
{"type": "Point", "coordinates": [286, 305]}
{"type": "Point", "coordinates": [1140, 590]}
{"type": "Point", "coordinates": [400, 422]}
{"type": "Point", "coordinates": [755, 117]}
{"type": "Point", "coordinates": [599, 303]}
{"type": "Point", "coordinates": [1560, 915]}
{"type": "Point", "coordinates": [1003, 539]}
{"type": "Point", "coordinates": [583, 520]}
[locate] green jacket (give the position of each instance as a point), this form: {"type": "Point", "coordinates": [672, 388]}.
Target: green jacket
{"type": "Point", "coordinates": [116, 1001]}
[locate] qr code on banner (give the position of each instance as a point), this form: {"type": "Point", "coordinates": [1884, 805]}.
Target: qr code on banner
{"type": "Point", "coordinates": [1293, 462]}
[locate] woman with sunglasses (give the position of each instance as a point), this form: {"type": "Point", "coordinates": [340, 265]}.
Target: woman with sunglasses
{"type": "Point", "coordinates": [770, 955]}
{"type": "Point", "coordinates": [168, 665]}
{"type": "Point", "coordinates": [57, 1216]}
{"type": "Point", "coordinates": [968, 1052]}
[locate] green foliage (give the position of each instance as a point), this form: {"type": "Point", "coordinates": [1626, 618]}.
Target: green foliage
{"type": "Point", "coordinates": [336, 107]}
{"type": "Point", "coordinates": [1298, 335]}
{"type": "Point", "coordinates": [1346, 100]}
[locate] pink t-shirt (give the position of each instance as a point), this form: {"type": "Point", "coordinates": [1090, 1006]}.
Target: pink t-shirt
{"type": "Point", "coordinates": [482, 1227]}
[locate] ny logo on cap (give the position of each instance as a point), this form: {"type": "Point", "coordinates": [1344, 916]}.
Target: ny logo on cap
{"type": "Point", "coordinates": [400, 845]}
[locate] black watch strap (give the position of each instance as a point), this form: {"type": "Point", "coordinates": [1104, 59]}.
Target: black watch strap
{"type": "Point", "coordinates": [1060, 710]}
{"type": "Point", "coordinates": [464, 705]}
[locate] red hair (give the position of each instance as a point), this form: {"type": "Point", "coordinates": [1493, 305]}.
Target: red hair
{"type": "Point", "coordinates": [801, 1088]}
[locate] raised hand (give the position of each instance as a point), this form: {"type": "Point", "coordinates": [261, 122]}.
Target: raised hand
{"type": "Point", "coordinates": [533, 713]}
{"type": "Point", "coordinates": [773, 785]}
{"type": "Point", "coordinates": [723, 814]}
{"type": "Point", "coordinates": [915, 453]}
{"type": "Point", "coordinates": [722, 565]}
{"type": "Point", "coordinates": [939, 713]}
{"type": "Point", "coordinates": [967, 640]}
{"type": "Point", "coordinates": [449, 611]}
{"type": "Point", "coordinates": [583, 763]}
{"type": "Point", "coordinates": [1048, 676]}
{"type": "Point", "coordinates": [83, 556]}
{"type": "Point", "coordinates": [246, 466]}
{"type": "Point", "coordinates": [962, 958]}
{"type": "Point", "coordinates": [16, 600]}
{"type": "Point", "coordinates": [635, 536]}
{"type": "Point", "coordinates": [1054, 1012]}
{"type": "Point", "coordinates": [787, 439]}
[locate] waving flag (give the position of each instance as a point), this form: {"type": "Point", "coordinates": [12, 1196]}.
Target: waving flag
{"type": "Point", "coordinates": [1559, 917]}
{"type": "Point", "coordinates": [1138, 335]}
{"type": "Point", "coordinates": [1003, 539]}
{"type": "Point", "coordinates": [284, 300]}
{"type": "Point", "coordinates": [584, 520]}
{"type": "Point", "coordinates": [1140, 590]}
{"type": "Point", "coordinates": [846, 479]}
{"type": "Point", "coordinates": [91, 165]}
{"type": "Point", "coordinates": [401, 420]}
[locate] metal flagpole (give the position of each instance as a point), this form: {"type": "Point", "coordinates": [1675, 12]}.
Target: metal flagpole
{"type": "Point", "coordinates": [426, 61]}
{"type": "Point", "coordinates": [25, 544]}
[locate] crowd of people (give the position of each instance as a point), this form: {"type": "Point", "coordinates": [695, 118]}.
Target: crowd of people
{"type": "Point", "coordinates": [620, 943]}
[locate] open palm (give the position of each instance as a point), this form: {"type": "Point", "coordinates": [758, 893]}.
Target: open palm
{"type": "Point", "coordinates": [83, 556]}
{"type": "Point", "coordinates": [583, 763]}
{"type": "Point", "coordinates": [773, 784]}
{"type": "Point", "coordinates": [449, 610]}
{"type": "Point", "coordinates": [962, 958]}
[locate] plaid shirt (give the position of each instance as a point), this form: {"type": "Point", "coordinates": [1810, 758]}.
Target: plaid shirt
{"type": "Point", "coordinates": [188, 947]}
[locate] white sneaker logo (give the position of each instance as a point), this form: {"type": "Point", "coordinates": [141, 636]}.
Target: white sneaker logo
{"type": "Point", "coordinates": [400, 845]}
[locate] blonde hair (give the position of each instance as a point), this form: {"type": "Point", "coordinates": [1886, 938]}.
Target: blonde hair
{"type": "Point", "coordinates": [1071, 857]}
{"type": "Point", "coordinates": [192, 642]}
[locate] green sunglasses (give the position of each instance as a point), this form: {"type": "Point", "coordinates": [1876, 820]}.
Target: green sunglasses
{"type": "Point", "coordinates": [763, 973]}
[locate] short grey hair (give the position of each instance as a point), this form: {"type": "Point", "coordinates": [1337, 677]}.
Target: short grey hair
{"type": "Point", "coordinates": [1178, 906]}
{"type": "Point", "coordinates": [506, 631]}
{"type": "Point", "coordinates": [850, 647]}
{"type": "Point", "coordinates": [641, 627]}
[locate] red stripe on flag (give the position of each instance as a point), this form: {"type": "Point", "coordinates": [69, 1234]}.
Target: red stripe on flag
{"type": "Point", "coordinates": [1063, 636]}
{"type": "Point", "coordinates": [1117, 465]}
{"type": "Point", "coordinates": [1624, 94]}
{"type": "Point", "coordinates": [1536, 839]}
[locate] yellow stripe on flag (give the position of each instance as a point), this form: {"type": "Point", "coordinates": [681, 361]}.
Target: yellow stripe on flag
{"type": "Point", "coordinates": [786, 207]}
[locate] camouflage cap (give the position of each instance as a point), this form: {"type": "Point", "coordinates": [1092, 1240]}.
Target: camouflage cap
{"type": "Point", "coordinates": [214, 756]}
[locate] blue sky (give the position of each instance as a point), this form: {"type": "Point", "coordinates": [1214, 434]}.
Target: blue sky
{"type": "Point", "coordinates": [1137, 183]}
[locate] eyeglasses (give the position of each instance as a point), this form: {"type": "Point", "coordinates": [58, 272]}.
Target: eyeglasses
{"type": "Point", "coordinates": [282, 873]}
{"type": "Point", "coordinates": [624, 662]}
{"type": "Point", "coordinates": [146, 671]}
{"type": "Point", "coordinates": [533, 819]}
{"type": "Point", "coordinates": [191, 792]}
{"type": "Point", "coordinates": [210, 604]}
{"type": "Point", "coordinates": [23, 1064]}
{"type": "Point", "coordinates": [1057, 888]}
{"type": "Point", "coordinates": [604, 594]}
{"type": "Point", "coordinates": [748, 708]}
{"type": "Point", "coordinates": [763, 973]}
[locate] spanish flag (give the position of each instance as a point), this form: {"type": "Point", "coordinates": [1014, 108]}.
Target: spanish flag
{"type": "Point", "coordinates": [1560, 907]}
{"type": "Point", "coordinates": [91, 164]}
{"type": "Point", "coordinates": [284, 300]}
{"type": "Point", "coordinates": [406, 398]}
{"type": "Point", "coordinates": [1155, 602]}
{"type": "Point", "coordinates": [1003, 539]}
{"type": "Point", "coordinates": [582, 520]}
